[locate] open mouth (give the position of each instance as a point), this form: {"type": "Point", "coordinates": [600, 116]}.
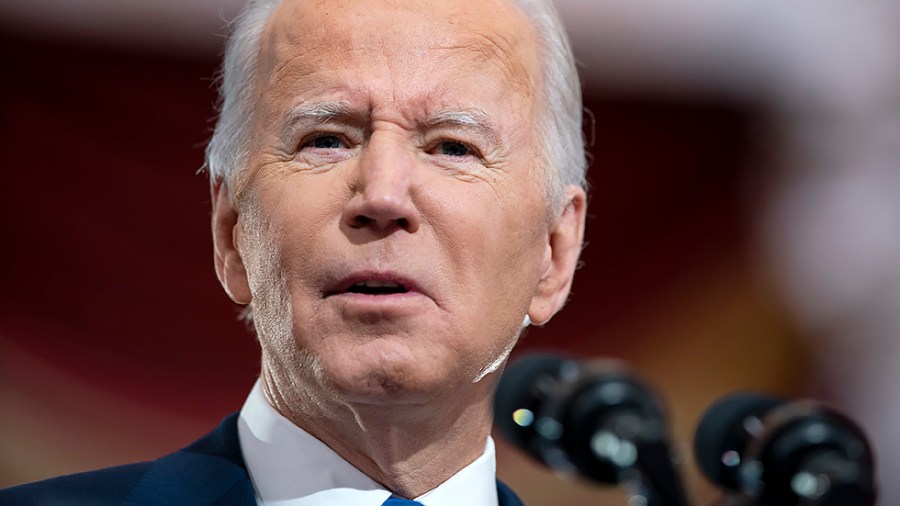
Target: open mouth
{"type": "Point", "coordinates": [372, 287]}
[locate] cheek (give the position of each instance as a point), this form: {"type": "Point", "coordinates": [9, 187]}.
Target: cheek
{"type": "Point", "coordinates": [499, 250]}
{"type": "Point", "coordinates": [501, 241]}
{"type": "Point", "coordinates": [509, 272]}
{"type": "Point", "coordinates": [282, 245]}
{"type": "Point", "coordinates": [298, 216]}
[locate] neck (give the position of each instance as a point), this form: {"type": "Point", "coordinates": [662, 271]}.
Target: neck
{"type": "Point", "coordinates": [403, 447]}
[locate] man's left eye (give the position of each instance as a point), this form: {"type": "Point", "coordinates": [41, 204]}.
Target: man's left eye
{"type": "Point", "coordinates": [326, 142]}
{"type": "Point", "coordinates": [453, 148]}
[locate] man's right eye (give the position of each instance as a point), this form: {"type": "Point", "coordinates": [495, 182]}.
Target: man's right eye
{"type": "Point", "coordinates": [326, 142]}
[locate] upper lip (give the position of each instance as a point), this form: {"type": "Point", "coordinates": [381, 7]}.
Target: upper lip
{"type": "Point", "coordinates": [343, 283]}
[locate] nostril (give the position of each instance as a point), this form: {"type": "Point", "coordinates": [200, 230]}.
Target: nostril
{"type": "Point", "coordinates": [361, 220]}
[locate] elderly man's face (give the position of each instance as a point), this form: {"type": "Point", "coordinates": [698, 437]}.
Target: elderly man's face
{"type": "Point", "coordinates": [391, 228]}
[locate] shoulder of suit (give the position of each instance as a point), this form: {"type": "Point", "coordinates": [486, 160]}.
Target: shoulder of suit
{"type": "Point", "coordinates": [105, 486]}
{"type": "Point", "coordinates": [204, 472]}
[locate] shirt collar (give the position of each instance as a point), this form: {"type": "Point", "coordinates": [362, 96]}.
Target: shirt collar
{"type": "Point", "coordinates": [290, 467]}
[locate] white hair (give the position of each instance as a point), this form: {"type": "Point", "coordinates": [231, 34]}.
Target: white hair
{"type": "Point", "coordinates": [559, 115]}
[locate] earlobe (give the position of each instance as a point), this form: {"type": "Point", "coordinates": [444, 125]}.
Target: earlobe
{"type": "Point", "coordinates": [229, 264]}
{"type": "Point", "coordinates": [561, 258]}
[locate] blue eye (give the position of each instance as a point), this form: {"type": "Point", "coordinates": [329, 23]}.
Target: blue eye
{"type": "Point", "coordinates": [326, 142]}
{"type": "Point", "coordinates": [452, 148]}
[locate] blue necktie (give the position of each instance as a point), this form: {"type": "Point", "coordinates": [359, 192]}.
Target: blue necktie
{"type": "Point", "coordinates": [399, 501]}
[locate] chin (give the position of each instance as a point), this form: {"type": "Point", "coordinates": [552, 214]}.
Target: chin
{"type": "Point", "coordinates": [397, 381]}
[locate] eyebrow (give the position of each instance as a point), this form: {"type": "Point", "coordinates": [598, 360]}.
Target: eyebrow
{"type": "Point", "coordinates": [311, 114]}
{"type": "Point", "coordinates": [318, 112]}
{"type": "Point", "coordinates": [469, 119]}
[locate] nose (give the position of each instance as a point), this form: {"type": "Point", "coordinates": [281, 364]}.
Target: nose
{"type": "Point", "coordinates": [383, 189]}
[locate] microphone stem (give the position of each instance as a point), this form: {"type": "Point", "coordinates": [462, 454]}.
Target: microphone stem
{"type": "Point", "coordinates": [655, 463]}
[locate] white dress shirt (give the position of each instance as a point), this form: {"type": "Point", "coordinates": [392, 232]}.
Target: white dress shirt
{"type": "Point", "coordinates": [290, 467]}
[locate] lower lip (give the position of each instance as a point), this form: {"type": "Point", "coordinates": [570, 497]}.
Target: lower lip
{"type": "Point", "coordinates": [384, 304]}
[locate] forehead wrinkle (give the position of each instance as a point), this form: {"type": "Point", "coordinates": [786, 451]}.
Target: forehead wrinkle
{"type": "Point", "coordinates": [296, 31]}
{"type": "Point", "coordinates": [292, 42]}
{"type": "Point", "coordinates": [497, 51]}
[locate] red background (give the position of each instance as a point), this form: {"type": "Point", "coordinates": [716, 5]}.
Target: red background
{"type": "Point", "coordinates": [117, 343]}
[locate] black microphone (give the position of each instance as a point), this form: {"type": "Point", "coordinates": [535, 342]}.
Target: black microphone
{"type": "Point", "coordinates": [592, 418]}
{"type": "Point", "coordinates": [765, 451]}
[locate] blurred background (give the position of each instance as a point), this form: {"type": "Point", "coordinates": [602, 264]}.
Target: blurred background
{"type": "Point", "coordinates": [744, 227]}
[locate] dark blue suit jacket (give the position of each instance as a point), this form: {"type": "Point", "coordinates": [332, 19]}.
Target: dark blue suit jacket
{"type": "Point", "coordinates": [211, 471]}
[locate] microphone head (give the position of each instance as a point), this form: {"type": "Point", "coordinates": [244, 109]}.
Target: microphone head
{"type": "Point", "coordinates": [723, 433]}
{"type": "Point", "coordinates": [785, 453]}
{"type": "Point", "coordinates": [577, 417]}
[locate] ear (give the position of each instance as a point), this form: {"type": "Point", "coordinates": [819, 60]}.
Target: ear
{"type": "Point", "coordinates": [229, 265]}
{"type": "Point", "coordinates": [561, 257]}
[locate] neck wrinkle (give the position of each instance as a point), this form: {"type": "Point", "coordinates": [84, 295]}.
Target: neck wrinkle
{"type": "Point", "coordinates": [376, 438]}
